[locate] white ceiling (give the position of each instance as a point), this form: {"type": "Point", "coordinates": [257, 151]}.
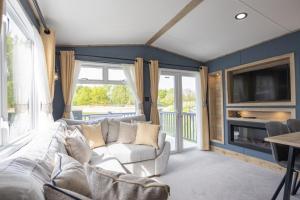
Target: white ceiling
{"type": "Point", "coordinates": [207, 32]}
{"type": "Point", "coordinates": [101, 22]}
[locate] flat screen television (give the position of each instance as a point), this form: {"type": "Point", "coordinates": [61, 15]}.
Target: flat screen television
{"type": "Point", "coordinates": [264, 85]}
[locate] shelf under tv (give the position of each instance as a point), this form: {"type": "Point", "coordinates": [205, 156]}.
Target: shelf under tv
{"type": "Point", "coordinates": [259, 104]}
{"type": "Point", "coordinates": [261, 115]}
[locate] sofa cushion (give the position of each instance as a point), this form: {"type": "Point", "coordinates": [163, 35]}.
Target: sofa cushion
{"type": "Point", "coordinates": [77, 147]}
{"type": "Point", "coordinates": [69, 174]}
{"type": "Point", "coordinates": [55, 193]}
{"type": "Point", "coordinates": [22, 178]}
{"type": "Point", "coordinates": [93, 135]}
{"type": "Point", "coordinates": [133, 118]}
{"type": "Point", "coordinates": [76, 124]}
{"type": "Point", "coordinates": [113, 130]}
{"type": "Point", "coordinates": [128, 153]}
{"type": "Point", "coordinates": [111, 185]}
{"type": "Point", "coordinates": [101, 157]}
{"type": "Point", "coordinates": [127, 133]}
{"type": "Point", "coordinates": [100, 152]}
{"type": "Point", "coordinates": [147, 134]}
{"type": "Point", "coordinates": [114, 126]}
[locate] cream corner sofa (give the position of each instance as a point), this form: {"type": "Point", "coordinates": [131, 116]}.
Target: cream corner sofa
{"type": "Point", "coordinates": [140, 160]}
{"type": "Point", "coordinates": [23, 174]}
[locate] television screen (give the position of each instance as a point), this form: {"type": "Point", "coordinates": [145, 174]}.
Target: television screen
{"type": "Point", "coordinates": [265, 85]}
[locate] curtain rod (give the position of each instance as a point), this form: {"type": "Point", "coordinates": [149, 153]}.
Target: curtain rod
{"type": "Point", "coordinates": [133, 60]}
{"type": "Point", "coordinates": [40, 15]}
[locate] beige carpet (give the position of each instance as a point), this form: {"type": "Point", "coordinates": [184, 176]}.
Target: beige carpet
{"type": "Point", "coordinates": [196, 175]}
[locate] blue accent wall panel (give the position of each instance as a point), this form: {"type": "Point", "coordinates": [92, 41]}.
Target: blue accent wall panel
{"type": "Point", "coordinates": [279, 46]}
{"type": "Point", "coordinates": [129, 52]}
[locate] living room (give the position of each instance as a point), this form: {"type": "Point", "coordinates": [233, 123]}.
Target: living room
{"type": "Point", "coordinates": [193, 99]}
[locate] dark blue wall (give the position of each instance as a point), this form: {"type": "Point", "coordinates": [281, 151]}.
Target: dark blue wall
{"type": "Point", "coordinates": [286, 44]}
{"type": "Point", "coordinates": [130, 52]}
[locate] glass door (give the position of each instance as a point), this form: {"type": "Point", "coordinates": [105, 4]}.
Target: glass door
{"type": "Point", "coordinates": [189, 111]}
{"type": "Point", "coordinates": [177, 104]}
{"type": "Point", "coordinates": [167, 108]}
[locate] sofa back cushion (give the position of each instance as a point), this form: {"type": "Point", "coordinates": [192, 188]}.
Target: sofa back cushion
{"type": "Point", "coordinates": [77, 146]}
{"type": "Point", "coordinates": [22, 178]}
{"type": "Point", "coordinates": [111, 185]}
{"type": "Point", "coordinates": [127, 133]}
{"type": "Point", "coordinates": [55, 193]}
{"type": "Point", "coordinates": [23, 174]}
{"type": "Point", "coordinates": [76, 124]}
{"type": "Point", "coordinates": [114, 126]}
{"type": "Point", "coordinates": [113, 130]}
{"type": "Point", "coordinates": [69, 174]}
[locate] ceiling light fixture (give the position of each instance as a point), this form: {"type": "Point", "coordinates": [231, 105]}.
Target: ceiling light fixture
{"type": "Point", "coordinates": [241, 16]}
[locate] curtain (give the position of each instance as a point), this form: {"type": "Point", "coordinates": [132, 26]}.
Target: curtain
{"type": "Point", "coordinates": [44, 113]}
{"type": "Point", "coordinates": [154, 80]}
{"type": "Point", "coordinates": [49, 48]}
{"type": "Point", "coordinates": [129, 72]}
{"type": "Point", "coordinates": [139, 84]}
{"type": "Point", "coordinates": [1, 13]}
{"type": "Point", "coordinates": [69, 74]}
{"type": "Point", "coordinates": [204, 137]}
{"type": "Point", "coordinates": [22, 72]}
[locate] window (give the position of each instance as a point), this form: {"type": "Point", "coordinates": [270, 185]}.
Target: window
{"type": "Point", "coordinates": [116, 75]}
{"type": "Point", "coordinates": [16, 74]}
{"type": "Point", "coordinates": [91, 73]}
{"type": "Point", "coordinates": [102, 93]}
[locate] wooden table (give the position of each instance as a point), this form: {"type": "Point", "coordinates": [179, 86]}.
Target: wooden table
{"type": "Point", "coordinates": [293, 141]}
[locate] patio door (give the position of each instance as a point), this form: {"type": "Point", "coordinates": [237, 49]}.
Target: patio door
{"type": "Point", "coordinates": [177, 101]}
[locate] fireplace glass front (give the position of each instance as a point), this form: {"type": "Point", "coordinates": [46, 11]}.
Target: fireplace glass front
{"type": "Point", "coordinates": [249, 135]}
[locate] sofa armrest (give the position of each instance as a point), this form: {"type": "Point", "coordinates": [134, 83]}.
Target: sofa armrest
{"type": "Point", "coordinates": [161, 142]}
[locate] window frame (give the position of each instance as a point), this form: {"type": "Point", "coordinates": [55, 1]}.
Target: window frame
{"type": "Point", "coordinates": [105, 68]}
{"type": "Point", "coordinates": [15, 11]}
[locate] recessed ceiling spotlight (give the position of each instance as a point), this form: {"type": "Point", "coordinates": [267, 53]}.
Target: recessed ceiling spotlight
{"type": "Point", "coordinates": [241, 16]}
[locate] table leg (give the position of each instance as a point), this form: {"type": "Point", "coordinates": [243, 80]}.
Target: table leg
{"type": "Point", "coordinates": [289, 174]}
{"type": "Point", "coordinates": [274, 197]}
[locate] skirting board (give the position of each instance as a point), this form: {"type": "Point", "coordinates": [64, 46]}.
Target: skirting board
{"type": "Point", "coordinates": [248, 159]}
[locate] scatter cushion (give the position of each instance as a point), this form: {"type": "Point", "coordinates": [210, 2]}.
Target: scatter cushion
{"type": "Point", "coordinates": [69, 174]}
{"type": "Point", "coordinates": [72, 124]}
{"type": "Point", "coordinates": [127, 133]}
{"type": "Point", "coordinates": [147, 134]}
{"type": "Point", "coordinates": [93, 135]}
{"type": "Point", "coordinates": [55, 193]}
{"type": "Point", "coordinates": [112, 185]}
{"type": "Point", "coordinates": [77, 146]}
{"type": "Point", "coordinates": [113, 130]}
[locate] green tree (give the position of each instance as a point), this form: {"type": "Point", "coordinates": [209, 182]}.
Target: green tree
{"type": "Point", "coordinates": [103, 95]}
{"type": "Point", "coordinates": [120, 95]}
{"type": "Point", "coordinates": [166, 97]}
{"type": "Point", "coordinates": [83, 96]}
{"type": "Point", "coordinates": [99, 96]}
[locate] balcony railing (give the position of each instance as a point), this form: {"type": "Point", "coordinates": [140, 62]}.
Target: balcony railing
{"type": "Point", "coordinates": [167, 121]}
{"type": "Point", "coordinates": [78, 115]}
{"type": "Point", "coordinates": [189, 126]}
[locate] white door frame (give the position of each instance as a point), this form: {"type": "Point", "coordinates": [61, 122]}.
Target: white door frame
{"type": "Point", "coordinates": [178, 74]}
